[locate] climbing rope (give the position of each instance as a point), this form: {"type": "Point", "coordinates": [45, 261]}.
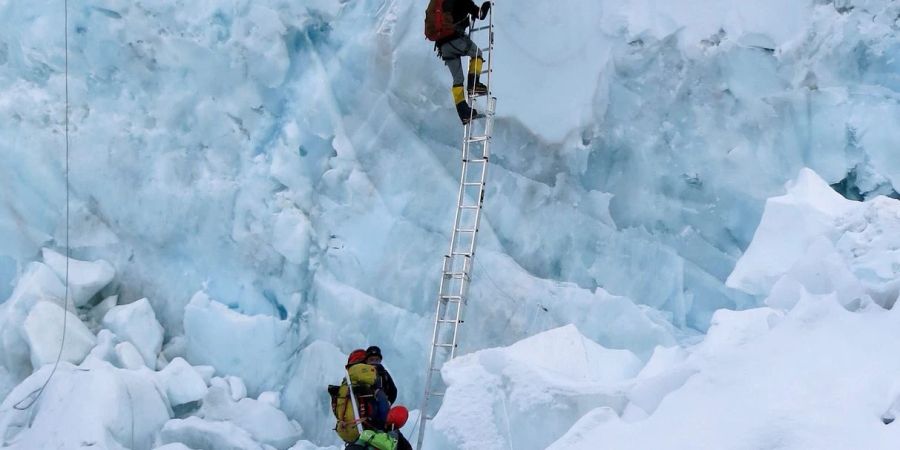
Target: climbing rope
{"type": "Point", "coordinates": [34, 395]}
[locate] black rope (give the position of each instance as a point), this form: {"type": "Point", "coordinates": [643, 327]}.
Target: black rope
{"type": "Point", "coordinates": [34, 395]}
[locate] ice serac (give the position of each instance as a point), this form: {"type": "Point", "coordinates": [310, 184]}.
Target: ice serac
{"type": "Point", "coordinates": [789, 225]}
{"type": "Point", "coordinates": [136, 322]}
{"type": "Point", "coordinates": [494, 397]}
{"type": "Point", "coordinates": [254, 348]}
{"type": "Point", "coordinates": [812, 239]}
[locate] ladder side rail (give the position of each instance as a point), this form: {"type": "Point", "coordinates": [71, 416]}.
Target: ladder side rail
{"type": "Point", "coordinates": [442, 307]}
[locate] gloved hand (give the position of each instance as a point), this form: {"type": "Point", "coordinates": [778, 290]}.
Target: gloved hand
{"type": "Point", "coordinates": [485, 7]}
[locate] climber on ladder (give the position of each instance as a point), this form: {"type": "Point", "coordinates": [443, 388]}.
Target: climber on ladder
{"type": "Point", "coordinates": [446, 22]}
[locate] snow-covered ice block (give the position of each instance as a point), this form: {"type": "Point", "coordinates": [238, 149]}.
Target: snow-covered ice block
{"type": "Point", "coordinates": [264, 422]}
{"type": "Point", "coordinates": [790, 224]}
{"type": "Point", "coordinates": [38, 283]}
{"type": "Point", "coordinates": [204, 434]}
{"type": "Point", "coordinates": [105, 349]}
{"type": "Point", "coordinates": [812, 239]}
{"type": "Point", "coordinates": [136, 322]}
{"type": "Point", "coordinates": [43, 330]}
{"type": "Point", "coordinates": [207, 372]}
{"type": "Point", "coordinates": [270, 397]}
{"type": "Point", "coordinates": [552, 378]}
{"type": "Point", "coordinates": [666, 371]}
{"type": "Point", "coordinates": [253, 348]}
{"type": "Point", "coordinates": [182, 383]}
{"type": "Point", "coordinates": [86, 278]}
{"type": "Point", "coordinates": [94, 404]}
{"type": "Point", "coordinates": [100, 309]}
{"type": "Point", "coordinates": [730, 329]}
{"type": "Point", "coordinates": [237, 387]}
{"type": "Point", "coordinates": [129, 357]}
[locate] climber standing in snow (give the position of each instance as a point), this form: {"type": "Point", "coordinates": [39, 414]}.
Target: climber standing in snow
{"type": "Point", "coordinates": [446, 22]}
{"type": "Point", "coordinates": [373, 358]}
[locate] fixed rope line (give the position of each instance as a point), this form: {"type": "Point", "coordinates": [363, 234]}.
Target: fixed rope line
{"type": "Point", "coordinates": [34, 395]}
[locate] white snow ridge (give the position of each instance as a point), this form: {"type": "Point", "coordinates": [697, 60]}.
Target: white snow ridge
{"type": "Point", "coordinates": [690, 235]}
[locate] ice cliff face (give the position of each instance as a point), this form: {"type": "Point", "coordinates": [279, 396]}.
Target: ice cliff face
{"type": "Point", "coordinates": [276, 178]}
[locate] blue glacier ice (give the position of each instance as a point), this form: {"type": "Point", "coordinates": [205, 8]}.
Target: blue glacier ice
{"type": "Point", "coordinates": [277, 179]}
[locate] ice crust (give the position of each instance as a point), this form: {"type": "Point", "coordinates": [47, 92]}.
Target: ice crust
{"type": "Point", "coordinates": [277, 180]}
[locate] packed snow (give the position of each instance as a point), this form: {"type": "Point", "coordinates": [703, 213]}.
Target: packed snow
{"type": "Point", "coordinates": [690, 235]}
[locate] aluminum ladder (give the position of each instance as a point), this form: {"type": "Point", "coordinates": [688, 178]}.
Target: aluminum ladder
{"type": "Point", "coordinates": [457, 266]}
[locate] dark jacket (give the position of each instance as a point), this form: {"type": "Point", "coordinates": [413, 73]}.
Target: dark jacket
{"type": "Point", "coordinates": [387, 383]}
{"type": "Point", "coordinates": [402, 443]}
{"type": "Point", "coordinates": [460, 11]}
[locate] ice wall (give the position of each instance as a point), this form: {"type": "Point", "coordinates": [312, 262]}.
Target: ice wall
{"type": "Point", "coordinates": [294, 161]}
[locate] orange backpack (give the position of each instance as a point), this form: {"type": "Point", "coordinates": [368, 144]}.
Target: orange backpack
{"type": "Point", "coordinates": [438, 23]}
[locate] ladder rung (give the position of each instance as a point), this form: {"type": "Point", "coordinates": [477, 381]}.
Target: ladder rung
{"type": "Point", "coordinates": [476, 160]}
{"type": "Point", "coordinates": [483, 27]}
{"type": "Point", "coordinates": [445, 345]}
{"type": "Point", "coordinates": [466, 254]}
{"type": "Point", "coordinates": [451, 297]}
{"type": "Point", "coordinates": [473, 184]}
{"type": "Point", "coordinates": [449, 321]}
{"type": "Point", "coordinates": [466, 230]}
{"type": "Point", "coordinates": [484, 71]}
{"type": "Point", "coordinates": [479, 138]}
{"type": "Point", "coordinates": [455, 274]}
{"type": "Point", "coordinates": [469, 206]}
{"type": "Point", "coordinates": [436, 394]}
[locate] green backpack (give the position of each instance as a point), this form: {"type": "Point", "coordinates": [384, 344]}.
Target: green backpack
{"type": "Point", "coordinates": [379, 440]}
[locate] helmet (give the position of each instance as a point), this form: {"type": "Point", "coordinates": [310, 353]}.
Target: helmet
{"type": "Point", "coordinates": [356, 356]}
{"type": "Point", "coordinates": [373, 351]}
{"type": "Point", "coordinates": [397, 417]}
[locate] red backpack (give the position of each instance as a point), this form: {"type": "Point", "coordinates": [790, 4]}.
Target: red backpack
{"type": "Point", "coordinates": [438, 23]}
